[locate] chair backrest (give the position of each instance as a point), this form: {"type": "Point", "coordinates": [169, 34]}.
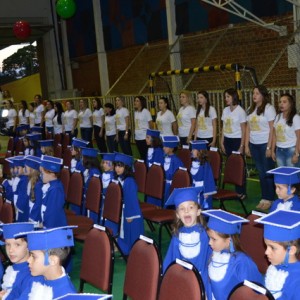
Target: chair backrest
{"type": "Point", "coordinates": [215, 160]}
{"type": "Point", "coordinates": [93, 195]}
{"type": "Point", "coordinates": [57, 139]}
{"type": "Point", "coordinates": [253, 232]}
{"type": "Point", "coordinates": [234, 162]}
{"type": "Point", "coordinates": [49, 135]}
{"type": "Point", "coordinates": [113, 203]}
{"type": "Point", "coordinates": [58, 151]}
{"type": "Point", "coordinates": [180, 283]}
{"type": "Point", "coordinates": [7, 213]}
{"type": "Point", "coordinates": [98, 259]}
{"type": "Point", "coordinates": [67, 156]}
{"type": "Point", "coordinates": [180, 179]}
{"type": "Point", "coordinates": [140, 173]}
{"type": "Point", "coordinates": [19, 147]}
{"type": "Point", "coordinates": [6, 168]}
{"type": "Point", "coordinates": [65, 141]}
{"type": "Point", "coordinates": [143, 270]}
{"type": "Point", "coordinates": [65, 178]}
{"type": "Point", "coordinates": [74, 195]}
{"type": "Point", "coordinates": [155, 182]}
{"type": "Point", "coordinates": [10, 144]}
{"type": "Point", "coordinates": [185, 156]}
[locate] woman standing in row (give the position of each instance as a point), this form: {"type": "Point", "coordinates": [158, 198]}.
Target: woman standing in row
{"type": "Point", "coordinates": [110, 127]}
{"type": "Point", "coordinates": [23, 113]}
{"type": "Point", "coordinates": [85, 121]}
{"type": "Point", "coordinates": [39, 110]}
{"type": "Point", "coordinates": [98, 124]}
{"type": "Point", "coordinates": [49, 115]}
{"type": "Point", "coordinates": [165, 120]}
{"type": "Point", "coordinates": [70, 120]}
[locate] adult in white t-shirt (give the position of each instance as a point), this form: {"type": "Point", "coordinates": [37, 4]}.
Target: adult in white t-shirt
{"type": "Point", "coordinates": [58, 120]}
{"type": "Point", "coordinates": [98, 124]}
{"type": "Point", "coordinates": [186, 118]}
{"type": "Point", "coordinates": [110, 127]}
{"type": "Point", "coordinates": [165, 119]}
{"type": "Point", "coordinates": [287, 133]}
{"type": "Point", "coordinates": [234, 129]}
{"type": "Point", "coordinates": [23, 113]}
{"type": "Point", "coordinates": [85, 118]}
{"type": "Point", "coordinates": [123, 128]}
{"type": "Point", "coordinates": [206, 124]}
{"type": "Point", "coordinates": [31, 108]}
{"type": "Point", "coordinates": [49, 115]}
{"type": "Point", "coordinates": [39, 110]}
{"type": "Point", "coordinates": [142, 121]}
{"type": "Point", "coordinates": [70, 120]}
{"type": "Point", "coordinates": [11, 118]}
{"type": "Point", "coordinates": [258, 143]}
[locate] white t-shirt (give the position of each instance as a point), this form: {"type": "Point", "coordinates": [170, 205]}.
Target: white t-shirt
{"type": "Point", "coordinates": [31, 119]}
{"type": "Point", "coordinates": [38, 114]}
{"type": "Point", "coordinates": [23, 119]}
{"type": "Point", "coordinates": [164, 122]}
{"type": "Point", "coordinates": [49, 115]}
{"type": "Point", "coordinates": [184, 117]}
{"type": "Point", "coordinates": [58, 128]}
{"type": "Point", "coordinates": [285, 135]}
{"type": "Point", "coordinates": [121, 114]}
{"type": "Point", "coordinates": [232, 121]}
{"type": "Point", "coordinates": [110, 125]}
{"type": "Point", "coordinates": [259, 125]}
{"type": "Point", "coordinates": [69, 117]}
{"type": "Point", "coordinates": [97, 117]}
{"type": "Point", "coordinates": [141, 123]}
{"type": "Point", "coordinates": [84, 118]}
{"type": "Point", "coordinates": [12, 114]}
{"type": "Point", "coordinates": [205, 124]}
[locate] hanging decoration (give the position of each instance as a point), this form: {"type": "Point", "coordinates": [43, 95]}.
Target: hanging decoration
{"type": "Point", "coordinates": [65, 8]}
{"type": "Point", "coordinates": [22, 30]}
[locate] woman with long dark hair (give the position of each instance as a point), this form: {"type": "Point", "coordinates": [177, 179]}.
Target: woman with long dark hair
{"type": "Point", "coordinates": [58, 119]}
{"type": "Point", "coordinates": [110, 127]}
{"type": "Point", "coordinates": [23, 113]}
{"type": "Point", "coordinates": [165, 119]}
{"type": "Point", "coordinates": [98, 124]}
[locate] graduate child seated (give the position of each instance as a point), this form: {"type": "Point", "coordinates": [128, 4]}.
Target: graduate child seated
{"type": "Point", "coordinates": [48, 249]}
{"type": "Point", "coordinates": [17, 276]}
{"type": "Point", "coordinates": [47, 147]}
{"type": "Point", "coordinates": [155, 152]}
{"type": "Point", "coordinates": [287, 182]}
{"type": "Point", "coordinates": [228, 265]}
{"type": "Point", "coordinates": [76, 162]}
{"type": "Point", "coordinates": [34, 144]}
{"type": "Point", "coordinates": [282, 238]}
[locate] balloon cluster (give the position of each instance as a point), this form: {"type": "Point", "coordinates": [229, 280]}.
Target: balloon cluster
{"type": "Point", "coordinates": [22, 30]}
{"type": "Point", "coordinates": [65, 8]}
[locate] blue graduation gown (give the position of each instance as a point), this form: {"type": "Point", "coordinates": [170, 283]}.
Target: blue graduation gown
{"type": "Point", "coordinates": [130, 232]}
{"type": "Point", "coordinates": [226, 270]}
{"type": "Point", "coordinates": [53, 214]}
{"type": "Point", "coordinates": [283, 281]}
{"type": "Point", "coordinates": [202, 175]}
{"type": "Point", "coordinates": [155, 155]}
{"type": "Point", "coordinates": [36, 205]}
{"type": "Point", "coordinates": [291, 204]}
{"type": "Point", "coordinates": [21, 200]}
{"type": "Point", "coordinates": [22, 280]}
{"type": "Point", "coordinates": [171, 164]}
{"type": "Point", "coordinates": [7, 185]}
{"type": "Point", "coordinates": [76, 165]}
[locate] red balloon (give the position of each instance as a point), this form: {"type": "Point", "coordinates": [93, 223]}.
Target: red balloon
{"type": "Point", "coordinates": [22, 30]}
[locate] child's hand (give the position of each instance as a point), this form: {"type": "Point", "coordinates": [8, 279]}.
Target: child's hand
{"type": "Point", "coordinates": [129, 220]}
{"type": "Point", "coordinates": [2, 293]}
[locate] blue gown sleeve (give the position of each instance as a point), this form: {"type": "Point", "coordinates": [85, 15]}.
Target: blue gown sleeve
{"type": "Point", "coordinates": [22, 204]}
{"type": "Point", "coordinates": [130, 198]}
{"type": "Point", "coordinates": [172, 253]}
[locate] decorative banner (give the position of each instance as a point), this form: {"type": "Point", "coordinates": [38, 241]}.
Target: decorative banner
{"type": "Point", "coordinates": [65, 8]}
{"type": "Point", "coordinates": [22, 30]}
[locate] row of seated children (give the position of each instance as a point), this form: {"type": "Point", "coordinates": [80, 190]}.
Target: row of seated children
{"type": "Point", "coordinates": [215, 250]}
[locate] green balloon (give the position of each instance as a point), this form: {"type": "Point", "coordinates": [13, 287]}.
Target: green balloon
{"type": "Point", "coordinates": [65, 8]}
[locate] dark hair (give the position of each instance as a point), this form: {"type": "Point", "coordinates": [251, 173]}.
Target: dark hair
{"type": "Point", "coordinates": [59, 112]}
{"type": "Point", "coordinates": [233, 93]}
{"type": "Point", "coordinates": [166, 100]}
{"type": "Point", "coordinates": [51, 103]}
{"type": "Point", "coordinates": [127, 170]}
{"type": "Point", "coordinates": [287, 244]}
{"type": "Point", "coordinates": [155, 142]}
{"type": "Point", "coordinates": [90, 162]}
{"type": "Point", "coordinates": [143, 101]}
{"type": "Point", "coordinates": [203, 156]}
{"type": "Point", "coordinates": [296, 186]}
{"type": "Point", "coordinates": [85, 102]}
{"type": "Point", "coordinates": [99, 104]}
{"type": "Point", "coordinates": [293, 109]}
{"type": "Point", "coordinates": [266, 99]}
{"type": "Point", "coordinates": [39, 97]}
{"type": "Point", "coordinates": [71, 103]}
{"type": "Point", "coordinates": [122, 98]}
{"type": "Point", "coordinates": [24, 107]}
{"type": "Point", "coordinates": [33, 104]}
{"type": "Point", "coordinates": [61, 253]}
{"type": "Point", "coordinates": [207, 106]}
{"type": "Point", "coordinates": [11, 104]}
{"type": "Point", "coordinates": [111, 106]}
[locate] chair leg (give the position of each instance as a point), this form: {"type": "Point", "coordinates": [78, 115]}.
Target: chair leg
{"type": "Point", "coordinates": [244, 207]}
{"type": "Point", "coordinates": [120, 250]}
{"type": "Point", "coordinates": [81, 284]}
{"type": "Point", "coordinates": [150, 225]}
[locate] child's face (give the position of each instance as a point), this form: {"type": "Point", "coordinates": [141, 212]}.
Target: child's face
{"type": "Point", "coordinates": [195, 153]}
{"type": "Point", "coordinates": [36, 262]}
{"type": "Point", "coordinates": [46, 176]}
{"type": "Point", "coordinates": [119, 170]}
{"type": "Point", "coordinates": [188, 212]}
{"type": "Point", "coordinates": [43, 149]}
{"type": "Point", "coordinates": [74, 151]}
{"type": "Point", "coordinates": [148, 140]}
{"type": "Point", "coordinates": [18, 170]}
{"type": "Point", "coordinates": [25, 142]}
{"type": "Point", "coordinates": [216, 242]}
{"type": "Point", "coordinates": [275, 252]}
{"type": "Point", "coordinates": [168, 150]}
{"type": "Point", "coordinates": [282, 191]}
{"type": "Point", "coordinates": [16, 250]}
{"type": "Point", "coordinates": [107, 165]}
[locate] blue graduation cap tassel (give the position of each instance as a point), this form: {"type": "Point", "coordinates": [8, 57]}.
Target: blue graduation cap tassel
{"type": "Point", "coordinates": [46, 260]}
{"type": "Point", "coordinates": [289, 190]}
{"type": "Point", "coordinates": [231, 247]}
{"type": "Point", "coordinates": [287, 255]}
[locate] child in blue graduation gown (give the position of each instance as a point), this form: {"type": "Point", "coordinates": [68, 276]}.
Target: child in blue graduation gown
{"type": "Point", "coordinates": [172, 162]}
{"type": "Point", "coordinates": [7, 184]}
{"type": "Point", "coordinates": [287, 182]}
{"type": "Point", "coordinates": [52, 213]}
{"type": "Point", "coordinates": [155, 152]}
{"type": "Point", "coordinates": [76, 162]}
{"type": "Point", "coordinates": [281, 235]}
{"type": "Point", "coordinates": [202, 174]}
{"type": "Point", "coordinates": [132, 225]}
{"type": "Point", "coordinates": [33, 142]}
{"type": "Point", "coordinates": [17, 277]}
{"type": "Point", "coordinates": [28, 149]}
{"type": "Point", "coordinates": [189, 241]}
{"type": "Point", "coordinates": [229, 265]}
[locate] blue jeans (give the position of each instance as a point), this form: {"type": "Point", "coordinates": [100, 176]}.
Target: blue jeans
{"type": "Point", "coordinates": [263, 164]}
{"type": "Point", "coordinates": [86, 134]}
{"type": "Point", "coordinates": [284, 157]}
{"type": "Point", "coordinates": [125, 144]}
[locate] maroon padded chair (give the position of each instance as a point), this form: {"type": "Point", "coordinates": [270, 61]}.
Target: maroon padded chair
{"type": "Point", "coordinates": [181, 179]}
{"type": "Point", "coordinates": [65, 141]}
{"type": "Point", "coordinates": [215, 160]}
{"type": "Point", "coordinates": [58, 151]}
{"type": "Point", "coordinates": [140, 174]}
{"type": "Point", "coordinates": [185, 155]}
{"type": "Point", "coordinates": [6, 168]}
{"type": "Point", "coordinates": [74, 195]}
{"type": "Point", "coordinates": [57, 139]}
{"type": "Point", "coordinates": [19, 147]}
{"type": "Point", "coordinates": [7, 213]}
{"type": "Point", "coordinates": [65, 178]}
{"type": "Point", "coordinates": [67, 157]}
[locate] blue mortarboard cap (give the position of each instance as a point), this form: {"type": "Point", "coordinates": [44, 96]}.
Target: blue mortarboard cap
{"type": "Point", "coordinates": [84, 296]}
{"type": "Point", "coordinates": [22, 127]}
{"type": "Point", "coordinates": [108, 156]}
{"type": "Point", "coordinates": [11, 229]}
{"type": "Point", "coordinates": [199, 145]}
{"type": "Point", "coordinates": [281, 225]}
{"type": "Point", "coordinates": [36, 129]}
{"type": "Point", "coordinates": [91, 152]}
{"type": "Point", "coordinates": [33, 162]}
{"type": "Point", "coordinates": [34, 136]}
{"type": "Point", "coordinates": [79, 142]}
{"type": "Point", "coordinates": [151, 132]}
{"type": "Point", "coordinates": [286, 175]}
{"type": "Point", "coordinates": [223, 221]}
{"type": "Point", "coordinates": [170, 141]}
{"type": "Point", "coordinates": [46, 143]}
{"type": "Point", "coordinates": [11, 161]}
{"type": "Point", "coordinates": [51, 163]}
{"type": "Point", "coordinates": [17, 161]}
{"type": "Point", "coordinates": [125, 159]}
{"type": "Point", "coordinates": [49, 239]}
{"type": "Point", "coordinates": [184, 194]}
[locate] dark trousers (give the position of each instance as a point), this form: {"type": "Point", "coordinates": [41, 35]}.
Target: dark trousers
{"type": "Point", "coordinates": [86, 134]}
{"type": "Point", "coordinates": [125, 144]}
{"type": "Point", "coordinates": [100, 140]}
{"type": "Point", "coordinates": [111, 143]}
{"type": "Point", "coordinates": [142, 148]}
